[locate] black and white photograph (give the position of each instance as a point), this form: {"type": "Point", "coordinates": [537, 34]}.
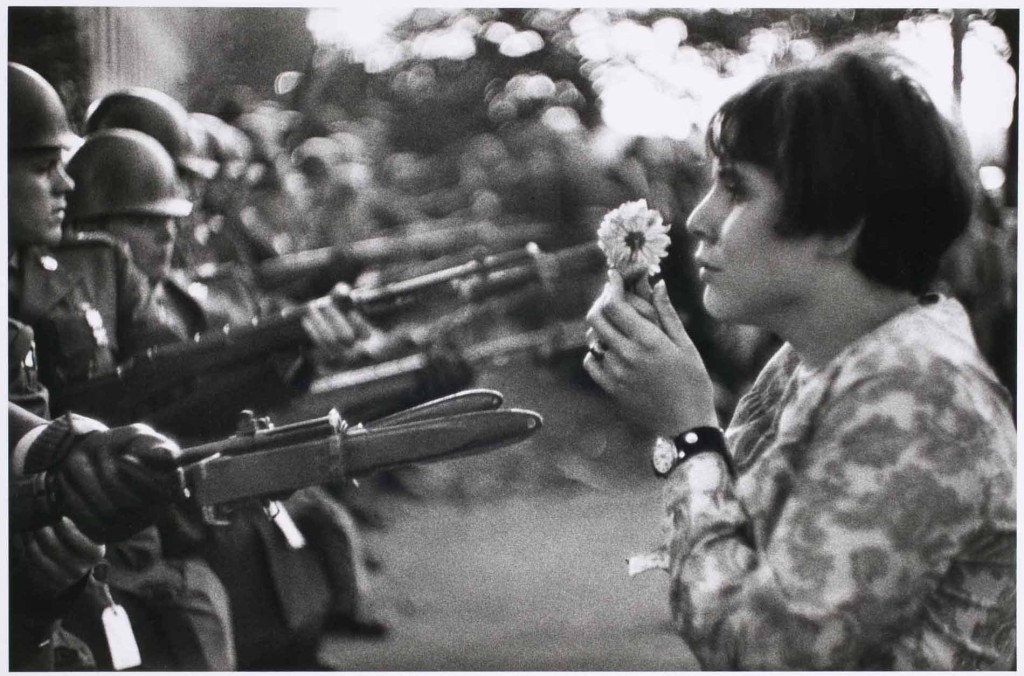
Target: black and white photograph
{"type": "Point", "coordinates": [394, 338]}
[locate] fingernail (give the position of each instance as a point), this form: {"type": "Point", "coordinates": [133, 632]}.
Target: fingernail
{"type": "Point", "coordinates": [660, 286]}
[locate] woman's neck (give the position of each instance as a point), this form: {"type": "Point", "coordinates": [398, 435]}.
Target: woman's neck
{"type": "Point", "coordinates": [841, 310]}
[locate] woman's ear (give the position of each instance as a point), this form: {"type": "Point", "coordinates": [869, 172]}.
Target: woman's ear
{"type": "Point", "coordinates": [843, 245]}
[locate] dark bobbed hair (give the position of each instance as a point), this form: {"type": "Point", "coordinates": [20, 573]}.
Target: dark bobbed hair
{"type": "Point", "coordinates": [851, 138]}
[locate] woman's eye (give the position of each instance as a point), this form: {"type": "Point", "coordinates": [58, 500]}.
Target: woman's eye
{"type": "Point", "coordinates": [732, 188]}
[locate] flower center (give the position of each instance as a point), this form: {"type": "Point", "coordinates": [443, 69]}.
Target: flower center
{"type": "Point", "coordinates": [635, 241]}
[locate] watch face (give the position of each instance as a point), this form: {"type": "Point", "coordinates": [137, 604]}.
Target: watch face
{"type": "Point", "coordinates": [664, 456]}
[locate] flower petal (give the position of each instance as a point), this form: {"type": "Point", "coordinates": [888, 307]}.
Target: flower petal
{"type": "Point", "coordinates": [634, 238]}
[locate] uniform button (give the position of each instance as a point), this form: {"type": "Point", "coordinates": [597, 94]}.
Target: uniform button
{"type": "Point", "coordinates": [48, 263]}
{"type": "Point", "coordinates": [690, 438]}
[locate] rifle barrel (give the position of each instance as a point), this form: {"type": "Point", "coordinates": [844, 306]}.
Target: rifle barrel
{"type": "Point", "coordinates": [561, 335]}
{"type": "Point", "coordinates": [542, 267]}
{"type": "Point", "coordinates": [285, 269]}
{"type": "Point", "coordinates": [377, 298]}
{"type": "Point", "coordinates": [253, 439]}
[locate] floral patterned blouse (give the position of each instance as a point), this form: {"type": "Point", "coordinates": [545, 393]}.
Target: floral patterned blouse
{"type": "Point", "coordinates": [872, 523]}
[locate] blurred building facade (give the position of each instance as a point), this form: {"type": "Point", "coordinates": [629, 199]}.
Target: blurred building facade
{"type": "Point", "coordinates": [135, 46]}
{"type": "Point", "coordinates": [194, 54]}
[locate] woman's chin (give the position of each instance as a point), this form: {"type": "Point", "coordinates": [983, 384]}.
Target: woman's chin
{"type": "Point", "coordinates": [716, 305]}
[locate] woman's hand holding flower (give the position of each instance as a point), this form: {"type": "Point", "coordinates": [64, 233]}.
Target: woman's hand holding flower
{"type": "Point", "coordinates": [647, 362]}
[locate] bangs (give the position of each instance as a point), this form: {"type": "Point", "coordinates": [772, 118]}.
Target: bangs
{"type": "Point", "coordinates": [744, 130]}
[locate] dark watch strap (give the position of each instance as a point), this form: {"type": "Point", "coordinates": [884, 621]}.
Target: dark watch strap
{"type": "Point", "coordinates": [704, 440]}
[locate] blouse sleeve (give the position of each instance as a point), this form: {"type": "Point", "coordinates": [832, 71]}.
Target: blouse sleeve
{"type": "Point", "coordinates": [871, 508]}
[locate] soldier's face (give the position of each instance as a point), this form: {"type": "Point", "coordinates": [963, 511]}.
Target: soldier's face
{"type": "Point", "coordinates": [151, 240]}
{"type": "Point", "coordinates": [37, 189]}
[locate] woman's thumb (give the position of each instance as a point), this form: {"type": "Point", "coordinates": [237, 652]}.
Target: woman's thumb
{"type": "Point", "coordinates": [670, 321]}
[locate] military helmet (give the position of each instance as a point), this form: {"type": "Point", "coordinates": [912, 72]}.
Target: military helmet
{"type": "Point", "coordinates": [228, 145]}
{"type": "Point", "coordinates": [155, 113]}
{"type": "Point", "coordinates": [123, 172]}
{"type": "Point", "coordinates": [36, 118]}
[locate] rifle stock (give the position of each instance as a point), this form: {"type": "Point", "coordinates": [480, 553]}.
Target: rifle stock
{"type": "Point", "coordinates": [116, 396]}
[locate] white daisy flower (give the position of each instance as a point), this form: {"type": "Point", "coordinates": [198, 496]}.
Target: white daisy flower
{"type": "Point", "coordinates": [634, 239]}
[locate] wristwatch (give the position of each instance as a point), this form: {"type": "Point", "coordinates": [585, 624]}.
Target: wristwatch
{"type": "Point", "coordinates": [668, 453]}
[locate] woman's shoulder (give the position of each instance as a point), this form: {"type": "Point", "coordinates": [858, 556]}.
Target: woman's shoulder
{"type": "Point", "coordinates": [921, 376]}
{"type": "Point", "coordinates": [929, 349]}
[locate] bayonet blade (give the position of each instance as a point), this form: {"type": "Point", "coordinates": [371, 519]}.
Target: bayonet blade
{"type": "Point", "coordinates": [278, 471]}
{"type": "Point", "coordinates": [371, 449]}
{"type": "Point", "coordinates": [466, 401]}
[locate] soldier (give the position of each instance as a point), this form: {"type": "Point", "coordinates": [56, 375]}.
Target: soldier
{"type": "Point", "coordinates": [74, 486]}
{"type": "Point", "coordinates": [157, 114]}
{"type": "Point", "coordinates": [277, 612]}
{"type": "Point", "coordinates": [142, 213]}
{"type": "Point", "coordinates": [89, 307]}
{"type": "Point", "coordinates": [269, 215]}
{"type": "Point", "coordinates": [84, 300]}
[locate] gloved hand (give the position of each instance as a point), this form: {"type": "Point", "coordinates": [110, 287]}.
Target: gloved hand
{"type": "Point", "coordinates": [329, 329]}
{"type": "Point", "coordinates": [346, 336]}
{"type": "Point", "coordinates": [52, 558]}
{"type": "Point", "coordinates": [111, 482]}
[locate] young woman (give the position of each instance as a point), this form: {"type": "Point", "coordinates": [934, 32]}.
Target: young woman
{"type": "Point", "coordinates": [859, 512]}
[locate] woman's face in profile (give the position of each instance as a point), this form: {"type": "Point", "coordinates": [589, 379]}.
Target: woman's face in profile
{"type": "Point", "coordinates": [751, 274]}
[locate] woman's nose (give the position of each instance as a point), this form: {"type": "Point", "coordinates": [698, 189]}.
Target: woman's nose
{"type": "Point", "coordinates": [702, 222]}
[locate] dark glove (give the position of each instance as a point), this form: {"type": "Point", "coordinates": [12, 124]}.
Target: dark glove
{"type": "Point", "coordinates": [111, 482]}
{"type": "Point", "coordinates": [45, 562]}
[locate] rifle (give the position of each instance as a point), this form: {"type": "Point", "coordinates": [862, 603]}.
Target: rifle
{"type": "Point", "coordinates": [266, 463]}
{"type": "Point", "coordinates": [481, 276]}
{"type": "Point", "coordinates": [330, 264]}
{"type": "Point", "coordinates": [370, 389]}
{"type": "Point", "coordinates": [116, 396]}
{"type": "Point", "coordinates": [542, 267]}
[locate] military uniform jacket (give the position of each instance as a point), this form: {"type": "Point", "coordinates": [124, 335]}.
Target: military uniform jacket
{"type": "Point", "coordinates": [88, 305]}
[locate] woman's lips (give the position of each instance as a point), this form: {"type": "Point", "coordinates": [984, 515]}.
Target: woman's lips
{"type": "Point", "coordinates": [706, 269]}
